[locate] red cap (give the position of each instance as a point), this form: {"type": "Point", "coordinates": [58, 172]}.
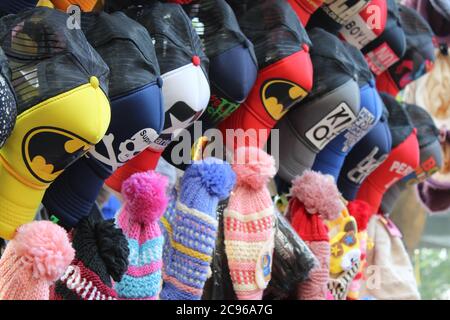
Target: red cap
{"type": "Point", "coordinates": [386, 84]}
{"type": "Point", "coordinates": [305, 8]}
{"type": "Point", "coordinates": [309, 227]}
{"type": "Point", "coordinates": [277, 88]}
{"type": "Point", "coordinates": [401, 161]}
{"type": "Point", "coordinates": [145, 161]}
{"type": "Point", "coordinates": [361, 211]}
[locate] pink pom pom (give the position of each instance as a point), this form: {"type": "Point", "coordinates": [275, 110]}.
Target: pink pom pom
{"type": "Point", "coordinates": [145, 196]}
{"type": "Point", "coordinates": [318, 193]}
{"type": "Point", "coordinates": [44, 248]}
{"type": "Point", "coordinates": [253, 167]}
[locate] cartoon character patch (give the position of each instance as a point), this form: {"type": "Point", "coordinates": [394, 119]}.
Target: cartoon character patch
{"type": "Point", "coordinates": [345, 250]}
{"type": "Point", "coordinates": [278, 96]}
{"type": "Point", "coordinates": [47, 151]}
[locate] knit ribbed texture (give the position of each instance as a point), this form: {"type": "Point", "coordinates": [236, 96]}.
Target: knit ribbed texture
{"type": "Point", "coordinates": [35, 258]}
{"type": "Point", "coordinates": [190, 225]}
{"type": "Point", "coordinates": [315, 197]}
{"type": "Point", "coordinates": [145, 202]}
{"type": "Point", "coordinates": [249, 225]}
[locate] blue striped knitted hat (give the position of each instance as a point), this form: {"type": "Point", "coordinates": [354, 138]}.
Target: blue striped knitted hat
{"type": "Point", "coordinates": [190, 225]}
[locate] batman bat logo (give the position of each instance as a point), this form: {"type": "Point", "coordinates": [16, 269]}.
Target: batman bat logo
{"type": "Point", "coordinates": [279, 95]}
{"type": "Point", "coordinates": [47, 151]}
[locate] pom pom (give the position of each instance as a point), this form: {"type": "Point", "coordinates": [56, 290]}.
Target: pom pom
{"type": "Point", "coordinates": [253, 167]}
{"type": "Point", "coordinates": [101, 238]}
{"type": "Point", "coordinates": [361, 211]}
{"type": "Point", "coordinates": [318, 193]}
{"type": "Point", "coordinates": [44, 247]}
{"type": "Point", "coordinates": [215, 176]}
{"type": "Point", "coordinates": [145, 196]}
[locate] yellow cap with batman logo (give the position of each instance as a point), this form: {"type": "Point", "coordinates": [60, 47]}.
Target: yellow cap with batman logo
{"type": "Point", "coordinates": [63, 109]}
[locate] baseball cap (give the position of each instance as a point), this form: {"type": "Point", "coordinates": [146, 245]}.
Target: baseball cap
{"type": "Point", "coordinates": [285, 70]}
{"type": "Point", "coordinates": [333, 14]}
{"type": "Point", "coordinates": [137, 113]}
{"type": "Point", "coordinates": [362, 28]}
{"type": "Point", "coordinates": [389, 47]}
{"type": "Point", "coordinates": [84, 5]}
{"type": "Point", "coordinates": [8, 104]}
{"type": "Point", "coordinates": [61, 87]}
{"type": "Point", "coordinates": [305, 8]}
{"type": "Point", "coordinates": [331, 107]}
{"type": "Point", "coordinates": [365, 157]}
{"type": "Point", "coordinates": [437, 13]}
{"type": "Point", "coordinates": [431, 158]}
{"type": "Point", "coordinates": [331, 158]}
{"type": "Point", "coordinates": [184, 70]}
{"type": "Point", "coordinates": [402, 160]}
{"type": "Point", "coordinates": [15, 6]}
{"type": "Point", "coordinates": [418, 58]}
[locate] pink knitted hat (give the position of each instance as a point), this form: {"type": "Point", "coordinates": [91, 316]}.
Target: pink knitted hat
{"type": "Point", "coordinates": [249, 223]}
{"type": "Point", "coordinates": [315, 197]}
{"type": "Point", "coordinates": [145, 202]}
{"type": "Point", "coordinates": [37, 256]}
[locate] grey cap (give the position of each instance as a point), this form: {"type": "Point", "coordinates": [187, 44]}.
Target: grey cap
{"type": "Point", "coordinates": [431, 160]}
{"type": "Point", "coordinates": [309, 127]}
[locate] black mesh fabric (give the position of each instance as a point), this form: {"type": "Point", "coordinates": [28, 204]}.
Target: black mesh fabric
{"type": "Point", "coordinates": [272, 26]}
{"type": "Point", "coordinates": [399, 122]}
{"type": "Point", "coordinates": [216, 25]}
{"type": "Point", "coordinates": [332, 14]}
{"type": "Point", "coordinates": [333, 64]}
{"type": "Point", "coordinates": [174, 37]}
{"type": "Point", "coordinates": [46, 57]}
{"type": "Point", "coordinates": [427, 132]}
{"type": "Point", "coordinates": [125, 46]}
{"type": "Point", "coordinates": [416, 28]}
{"type": "Point", "coordinates": [8, 104]}
{"type": "Point", "coordinates": [362, 68]}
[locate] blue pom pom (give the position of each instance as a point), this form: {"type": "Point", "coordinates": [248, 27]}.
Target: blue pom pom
{"type": "Point", "coordinates": [216, 176]}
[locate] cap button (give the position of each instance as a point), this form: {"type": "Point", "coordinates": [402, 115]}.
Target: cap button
{"type": "Point", "coordinates": [159, 82]}
{"type": "Point", "coordinates": [305, 47]}
{"type": "Point", "coordinates": [196, 60]}
{"type": "Point", "coordinates": [94, 82]}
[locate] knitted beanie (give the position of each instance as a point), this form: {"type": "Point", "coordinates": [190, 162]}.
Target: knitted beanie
{"type": "Point", "coordinates": [361, 211]}
{"type": "Point", "coordinates": [315, 197]}
{"type": "Point", "coordinates": [249, 223]}
{"type": "Point", "coordinates": [37, 256]}
{"type": "Point", "coordinates": [101, 253]}
{"type": "Point", "coordinates": [190, 225]}
{"type": "Point", "coordinates": [145, 202]}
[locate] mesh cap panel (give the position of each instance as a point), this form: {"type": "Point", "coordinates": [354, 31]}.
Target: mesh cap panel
{"type": "Point", "coordinates": [272, 26]}
{"type": "Point", "coordinates": [427, 132]}
{"type": "Point", "coordinates": [216, 25]}
{"type": "Point", "coordinates": [333, 65]}
{"type": "Point", "coordinates": [125, 46]}
{"type": "Point", "coordinates": [362, 68]}
{"type": "Point", "coordinates": [174, 37]}
{"type": "Point", "coordinates": [399, 122]}
{"type": "Point", "coordinates": [46, 57]}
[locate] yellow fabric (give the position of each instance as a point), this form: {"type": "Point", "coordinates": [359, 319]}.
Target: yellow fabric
{"type": "Point", "coordinates": [181, 248]}
{"type": "Point", "coordinates": [340, 248]}
{"type": "Point", "coordinates": [45, 3]}
{"type": "Point", "coordinates": [63, 128]}
{"type": "Point", "coordinates": [85, 5]}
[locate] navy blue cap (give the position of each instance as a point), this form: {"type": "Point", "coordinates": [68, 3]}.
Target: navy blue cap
{"type": "Point", "coordinates": [332, 157]}
{"type": "Point", "coordinates": [364, 158]}
{"type": "Point", "coordinates": [15, 6]}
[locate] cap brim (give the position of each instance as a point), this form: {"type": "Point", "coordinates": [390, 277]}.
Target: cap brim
{"type": "Point", "coordinates": [72, 195]}
{"type": "Point", "coordinates": [18, 202]}
{"type": "Point", "coordinates": [145, 161]}
{"type": "Point", "coordinates": [295, 156]}
{"type": "Point", "coordinates": [348, 189]}
{"type": "Point", "coordinates": [370, 194]}
{"type": "Point", "coordinates": [389, 199]}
